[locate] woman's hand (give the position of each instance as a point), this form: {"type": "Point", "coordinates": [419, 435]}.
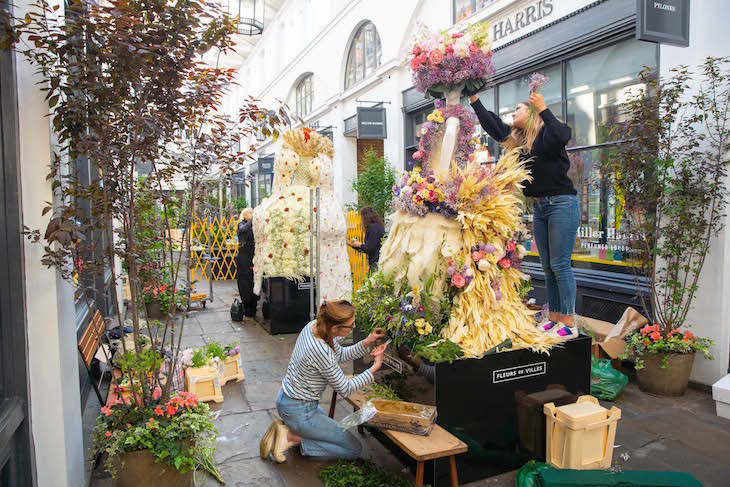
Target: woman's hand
{"type": "Point", "coordinates": [373, 337]}
{"type": "Point", "coordinates": [354, 244]}
{"type": "Point", "coordinates": [473, 98]}
{"type": "Point", "coordinates": [537, 101]}
{"type": "Point", "coordinates": [377, 363]}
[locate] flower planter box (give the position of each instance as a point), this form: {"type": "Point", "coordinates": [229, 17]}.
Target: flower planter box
{"type": "Point", "coordinates": [154, 312]}
{"type": "Point", "coordinates": [139, 469]}
{"type": "Point", "coordinates": [204, 382]}
{"type": "Point", "coordinates": [671, 381]}
{"type": "Point", "coordinates": [231, 369]}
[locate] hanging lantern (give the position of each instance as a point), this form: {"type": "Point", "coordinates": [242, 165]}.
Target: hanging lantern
{"type": "Point", "coordinates": [250, 15]}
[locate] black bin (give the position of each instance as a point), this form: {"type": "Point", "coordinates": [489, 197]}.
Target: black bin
{"type": "Point", "coordinates": [531, 417]}
{"type": "Point", "coordinates": [286, 305]}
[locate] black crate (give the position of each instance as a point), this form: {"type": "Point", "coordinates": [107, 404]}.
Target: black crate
{"type": "Point", "coordinates": [286, 305]}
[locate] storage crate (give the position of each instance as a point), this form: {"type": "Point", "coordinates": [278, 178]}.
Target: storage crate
{"type": "Point", "coordinates": [580, 436]}
{"type": "Point", "coordinates": [531, 418]}
{"type": "Point", "coordinates": [204, 382]}
{"type": "Point", "coordinates": [231, 369]}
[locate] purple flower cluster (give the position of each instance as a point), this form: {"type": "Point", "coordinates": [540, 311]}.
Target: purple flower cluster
{"type": "Point", "coordinates": [536, 82]}
{"type": "Point", "coordinates": [452, 71]}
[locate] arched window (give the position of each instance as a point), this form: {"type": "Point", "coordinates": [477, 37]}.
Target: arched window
{"type": "Point", "coordinates": [364, 56]}
{"type": "Point", "coordinates": [304, 96]}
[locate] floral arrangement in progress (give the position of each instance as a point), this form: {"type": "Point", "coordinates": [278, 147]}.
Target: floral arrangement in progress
{"type": "Point", "coordinates": [286, 224]}
{"type": "Point", "coordinates": [450, 284]}
{"type": "Point", "coordinates": [212, 354]}
{"type": "Point", "coordinates": [441, 61]}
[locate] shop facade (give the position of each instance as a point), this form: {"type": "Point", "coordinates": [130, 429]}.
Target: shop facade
{"type": "Point", "coordinates": [588, 48]}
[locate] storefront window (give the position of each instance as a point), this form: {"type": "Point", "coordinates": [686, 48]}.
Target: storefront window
{"type": "Point", "coordinates": [598, 84]}
{"type": "Point", "coordinates": [304, 96]}
{"type": "Point", "coordinates": [516, 91]}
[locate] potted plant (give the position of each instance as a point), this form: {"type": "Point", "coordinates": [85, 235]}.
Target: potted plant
{"type": "Point", "coordinates": [203, 373]}
{"type": "Point", "coordinates": [669, 176]}
{"type": "Point", "coordinates": [126, 89]}
{"type": "Point", "coordinates": [231, 368]}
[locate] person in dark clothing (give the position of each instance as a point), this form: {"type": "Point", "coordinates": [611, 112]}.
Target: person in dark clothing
{"type": "Point", "coordinates": [374, 231]}
{"type": "Point", "coordinates": [244, 263]}
{"type": "Point", "coordinates": [556, 214]}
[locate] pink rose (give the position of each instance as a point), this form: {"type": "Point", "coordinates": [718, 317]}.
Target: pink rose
{"type": "Point", "coordinates": [477, 256]}
{"type": "Point", "coordinates": [416, 50]}
{"type": "Point", "coordinates": [505, 263]}
{"type": "Point", "coordinates": [423, 57]}
{"type": "Point", "coordinates": [435, 57]}
{"type": "Point", "coordinates": [449, 49]}
{"type": "Point", "coordinates": [456, 35]}
{"type": "Point", "coordinates": [418, 154]}
{"type": "Point", "coordinates": [511, 246]}
{"type": "Point", "coordinates": [415, 62]}
{"type": "Point", "coordinates": [458, 281]}
{"type": "Point", "coordinates": [473, 48]}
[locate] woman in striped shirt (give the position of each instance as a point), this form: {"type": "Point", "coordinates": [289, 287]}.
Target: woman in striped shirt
{"type": "Point", "coordinates": [313, 365]}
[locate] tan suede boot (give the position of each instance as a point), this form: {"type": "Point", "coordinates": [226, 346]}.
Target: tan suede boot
{"type": "Point", "coordinates": [267, 441]}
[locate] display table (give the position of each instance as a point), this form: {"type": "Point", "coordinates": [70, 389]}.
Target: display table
{"type": "Point", "coordinates": [491, 403]}
{"type": "Point", "coordinates": [286, 305]}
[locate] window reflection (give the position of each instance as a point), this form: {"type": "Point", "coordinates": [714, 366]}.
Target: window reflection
{"type": "Point", "coordinates": [516, 91]}
{"type": "Point", "coordinates": [599, 83]}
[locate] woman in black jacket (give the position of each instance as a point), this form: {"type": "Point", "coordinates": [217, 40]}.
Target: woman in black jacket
{"type": "Point", "coordinates": [556, 213]}
{"type": "Point", "coordinates": [244, 263]}
{"type": "Point", "coordinates": [374, 231]}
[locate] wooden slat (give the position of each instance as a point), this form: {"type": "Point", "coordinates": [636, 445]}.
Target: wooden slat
{"type": "Point", "coordinates": [89, 343]}
{"type": "Point", "coordinates": [440, 443]}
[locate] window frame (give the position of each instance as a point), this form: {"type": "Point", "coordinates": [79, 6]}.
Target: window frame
{"type": "Point", "coordinates": [304, 95]}
{"type": "Point", "coordinates": [361, 69]}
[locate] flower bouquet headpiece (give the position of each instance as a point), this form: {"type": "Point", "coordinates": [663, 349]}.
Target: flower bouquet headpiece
{"type": "Point", "coordinates": [441, 62]}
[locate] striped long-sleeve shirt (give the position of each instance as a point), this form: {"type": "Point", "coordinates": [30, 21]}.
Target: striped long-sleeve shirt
{"type": "Point", "coordinates": [314, 364]}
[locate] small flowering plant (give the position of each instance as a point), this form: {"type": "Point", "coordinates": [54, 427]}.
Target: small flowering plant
{"type": "Point", "coordinates": [178, 432]}
{"type": "Point", "coordinates": [440, 61]}
{"type": "Point", "coordinates": [652, 339]}
{"type": "Point", "coordinates": [213, 354]}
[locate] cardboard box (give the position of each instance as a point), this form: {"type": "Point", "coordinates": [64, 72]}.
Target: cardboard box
{"type": "Point", "coordinates": [610, 337]}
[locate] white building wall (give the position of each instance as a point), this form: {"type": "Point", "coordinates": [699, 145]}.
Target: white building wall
{"type": "Point", "coordinates": [55, 405]}
{"type": "Point", "coordinates": [710, 316]}
{"type": "Point", "coordinates": [323, 35]}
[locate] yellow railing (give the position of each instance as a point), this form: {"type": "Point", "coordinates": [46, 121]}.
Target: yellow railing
{"type": "Point", "coordinates": [216, 234]}
{"type": "Point", "coordinates": [221, 232]}
{"type": "Point", "coordinates": [358, 260]}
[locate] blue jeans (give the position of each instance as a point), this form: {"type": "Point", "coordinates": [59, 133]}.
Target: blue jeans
{"type": "Point", "coordinates": [554, 226]}
{"type": "Point", "coordinates": [321, 435]}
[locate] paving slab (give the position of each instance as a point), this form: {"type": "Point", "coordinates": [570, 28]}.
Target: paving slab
{"type": "Point", "coordinates": [239, 435]}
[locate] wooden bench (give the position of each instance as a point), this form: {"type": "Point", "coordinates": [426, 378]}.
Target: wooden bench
{"type": "Point", "coordinates": [88, 346]}
{"type": "Point", "coordinates": [440, 443]}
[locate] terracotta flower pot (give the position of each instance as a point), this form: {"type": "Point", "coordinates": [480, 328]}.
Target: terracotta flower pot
{"type": "Point", "coordinates": [671, 381]}
{"type": "Point", "coordinates": [154, 312]}
{"type": "Point", "coordinates": [140, 470]}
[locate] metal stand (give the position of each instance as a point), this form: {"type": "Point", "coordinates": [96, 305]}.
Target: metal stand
{"type": "Point", "coordinates": [314, 268]}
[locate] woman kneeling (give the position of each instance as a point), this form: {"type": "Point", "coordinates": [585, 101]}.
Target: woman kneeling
{"type": "Point", "coordinates": [313, 365]}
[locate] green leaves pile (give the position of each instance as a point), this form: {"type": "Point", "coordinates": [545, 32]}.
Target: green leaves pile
{"type": "Point", "coordinates": [360, 473]}
{"type": "Point", "coordinates": [443, 351]}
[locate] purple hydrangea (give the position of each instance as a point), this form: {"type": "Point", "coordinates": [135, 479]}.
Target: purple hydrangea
{"type": "Point", "coordinates": [537, 80]}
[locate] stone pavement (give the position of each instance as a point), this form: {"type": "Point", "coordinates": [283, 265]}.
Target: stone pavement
{"type": "Point", "coordinates": [653, 433]}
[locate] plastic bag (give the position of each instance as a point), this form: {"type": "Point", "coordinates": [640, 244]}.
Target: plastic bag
{"type": "Point", "coordinates": [527, 475]}
{"type": "Point", "coordinates": [362, 415]}
{"type": "Point", "coordinates": [606, 382]}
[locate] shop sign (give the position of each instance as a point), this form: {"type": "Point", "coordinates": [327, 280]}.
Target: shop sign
{"type": "Point", "coordinates": [519, 372]}
{"type": "Point", "coordinates": [371, 123]}
{"type": "Point", "coordinates": [266, 165]}
{"type": "Point", "coordinates": [393, 363]}
{"type": "Point", "coordinates": [664, 22]}
{"type": "Point", "coordinates": [304, 286]}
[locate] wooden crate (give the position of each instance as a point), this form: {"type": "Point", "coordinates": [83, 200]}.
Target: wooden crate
{"type": "Point", "coordinates": [231, 369]}
{"type": "Point", "coordinates": [204, 382]}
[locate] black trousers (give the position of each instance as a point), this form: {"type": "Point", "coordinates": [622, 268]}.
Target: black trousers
{"type": "Point", "coordinates": [245, 288]}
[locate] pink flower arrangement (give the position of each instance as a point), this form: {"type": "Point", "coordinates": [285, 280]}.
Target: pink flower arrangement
{"type": "Point", "coordinates": [441, 61]}
{"type": "Point", "coordinates": [460, 275]}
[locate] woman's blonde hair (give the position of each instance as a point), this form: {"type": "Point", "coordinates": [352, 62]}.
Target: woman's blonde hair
{"type": "Point", "coordinates": [524, 138]}
{"type": "Point", "coordinates": [246, 213]}
{"type": "Point", "coordinates": [332, 314]}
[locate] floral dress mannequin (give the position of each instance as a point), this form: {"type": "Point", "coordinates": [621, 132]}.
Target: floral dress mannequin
{"type": "Point", "coordinates": [335, 277]}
